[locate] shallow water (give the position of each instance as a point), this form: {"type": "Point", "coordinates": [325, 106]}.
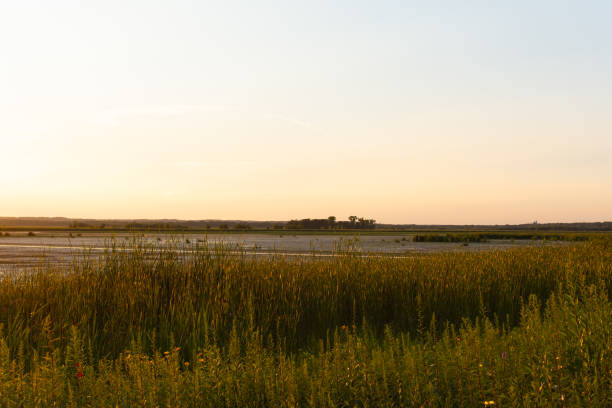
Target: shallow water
{"type": "Point", "coordinates": [20, 250]}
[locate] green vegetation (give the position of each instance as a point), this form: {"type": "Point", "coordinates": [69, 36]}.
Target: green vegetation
{"type": "Point", "coordinates": [486, 236]}
{"type": "Point", "coordinates": [330, 222]}
{"type": "Point", "coordinates": [167, 327]}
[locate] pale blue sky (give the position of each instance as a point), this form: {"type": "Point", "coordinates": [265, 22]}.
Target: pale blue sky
{"type": "Point", "coordinates": [416, 112]}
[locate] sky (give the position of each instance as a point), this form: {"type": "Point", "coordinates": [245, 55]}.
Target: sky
{"type": "Point", "coordinates": [438, 112]}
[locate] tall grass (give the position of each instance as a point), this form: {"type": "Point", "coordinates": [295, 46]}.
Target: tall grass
{"type": "Point", "coordinates": [452, 329]}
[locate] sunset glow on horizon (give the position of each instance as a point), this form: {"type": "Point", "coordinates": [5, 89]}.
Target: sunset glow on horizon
{"type": "Point", "coordinates": [398, 111]}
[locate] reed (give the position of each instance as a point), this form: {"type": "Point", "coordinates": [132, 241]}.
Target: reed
{"type": "Point", "coordinates": [198, 325]}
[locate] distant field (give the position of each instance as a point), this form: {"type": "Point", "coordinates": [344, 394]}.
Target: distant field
{"type": "Point", "coordinates": [493, 233]}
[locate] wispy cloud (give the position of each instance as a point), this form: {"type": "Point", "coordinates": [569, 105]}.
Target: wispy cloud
{"type": "Point", "coordinates": [190, 164]}
{"type": "Point", "coordinates": [114, 117]}
{"type": "Point", "coordinates": [288, 119]}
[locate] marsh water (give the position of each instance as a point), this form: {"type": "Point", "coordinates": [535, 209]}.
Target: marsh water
{"type": "Point", "coordinates": [21, 250]}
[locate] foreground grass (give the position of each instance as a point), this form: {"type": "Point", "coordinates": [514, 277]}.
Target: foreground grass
{"type": "Point", "coordinates": [523, 327]}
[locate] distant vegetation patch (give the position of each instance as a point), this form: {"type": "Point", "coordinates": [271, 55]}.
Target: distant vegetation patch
{"type": "Point", "coordinates": [330, 222]}
{"type": "Point", "coordinates": [486, 236]}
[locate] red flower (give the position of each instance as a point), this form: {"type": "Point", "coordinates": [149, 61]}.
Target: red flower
{"type": "Point", "coordinates": [79, 373]}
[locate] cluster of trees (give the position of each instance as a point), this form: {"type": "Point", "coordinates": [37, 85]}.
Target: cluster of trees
{"type": "Point", "coordinates": [84, 225]}
{"type": "Point", "coordinates": [353, 222]}
{"type": "Point", "coordinates": [238, 226]}
{"type": "Point", "coordinates": [78, 224]}
{"type": "Point", "coordinates": [242, 226]}
{"type": "Point", "coordinates": [155, 226]}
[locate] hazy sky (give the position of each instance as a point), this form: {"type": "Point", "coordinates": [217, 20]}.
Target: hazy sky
{"type": "Point", "coordinates": [403, 111]}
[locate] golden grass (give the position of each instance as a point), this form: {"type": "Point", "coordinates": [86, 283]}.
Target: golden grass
{"type": "Point", "coordinates": [164, 326]}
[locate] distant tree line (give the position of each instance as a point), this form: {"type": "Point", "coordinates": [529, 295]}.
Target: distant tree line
{"type": "Point", "coordinates": [353, 222]}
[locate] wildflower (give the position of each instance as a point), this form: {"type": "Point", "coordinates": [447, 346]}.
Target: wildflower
{"type": "Point", "coordinates": [489, 403]}
{"type": "Point", "coordinates": [343, 327]}
{"type": "Point", "coordinates": [79, 373]}
{"type": "Point", "coordinates": [201, 360]}
{"type": "Point", "coordinates": [166, 353]}
{"type": "Point", "coordinates": [186, 363]}
{"type": "Point", "coordinates": [503, 355]}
